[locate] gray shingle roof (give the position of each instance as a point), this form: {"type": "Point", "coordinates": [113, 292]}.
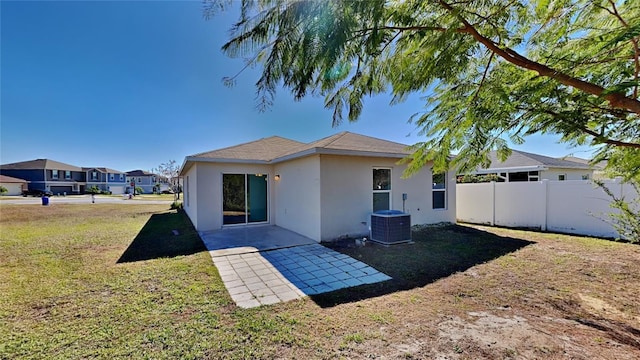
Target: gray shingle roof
{"type": "Point", "coordinates": [265, 149]}
{"type": "Point", "coordinates": [103, 170]}
{"type": "Point", "coordinates": [8, 180]}
{"type": "Point", "coordinates": [40, 164]}
{"type": "Point", "coordinates": [139, 173]}
{"type": "Point", "coordinates": [278, 148]}
{"type": "Point", "coordinates": [522, 159]}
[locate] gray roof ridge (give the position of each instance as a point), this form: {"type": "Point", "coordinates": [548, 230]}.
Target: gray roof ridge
{"type": "Point", "coordinates": [241, 144]}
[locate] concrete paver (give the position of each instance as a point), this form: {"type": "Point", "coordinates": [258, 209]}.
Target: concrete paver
{"type": "Point", "coordinates": [267, 265]}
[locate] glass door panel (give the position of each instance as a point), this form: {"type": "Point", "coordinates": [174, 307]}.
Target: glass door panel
{"type": "Point", "coordinates": [257, 198]}
{"type": "Point", "coordinates": [233, 199]}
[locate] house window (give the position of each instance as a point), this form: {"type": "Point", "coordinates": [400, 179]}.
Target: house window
{"type": "Point", "coordinates": [121, 177]}
{"type": "Point", "coordinates": [381, 189]}
{"type": "Point", "coordinates": [562, 177]}
{"type": "Point", "coordinates": [153, 179]}
{"type": "Point", "coordinates": [54, 174]}
{"type": "Point", "coordinates": [585, 177]}
{"type": "Point", "coordinates": [439, 190]}
{"type": "Point", "coordinates": [139, 180]}
{"type": "Point", "coordinates": [186, 188]}
{"type": "Point", "coordinates": [67, 174]}
{"type": "Point", "coordinates": [112, 177]}
{"type": "Point", "coordinates": [534, 176]}
{"type": "Point", "coordinates": [94, 175]}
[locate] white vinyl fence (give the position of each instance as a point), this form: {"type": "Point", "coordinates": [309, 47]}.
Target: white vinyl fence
{"type": "Point", "coordinates": [575, 206]}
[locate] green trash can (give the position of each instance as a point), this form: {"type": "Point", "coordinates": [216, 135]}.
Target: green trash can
{"type": "Point", "coordinates": [45, 200]}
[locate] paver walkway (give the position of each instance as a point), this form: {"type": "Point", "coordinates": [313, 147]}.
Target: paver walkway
{"type": "Point", "coordinates": [255, 277]}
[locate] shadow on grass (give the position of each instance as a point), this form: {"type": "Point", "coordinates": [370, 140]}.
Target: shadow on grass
{"type": "Point", "coordinates": [437, 252]}
{"type": "Point", "coordinates": [157, 238]}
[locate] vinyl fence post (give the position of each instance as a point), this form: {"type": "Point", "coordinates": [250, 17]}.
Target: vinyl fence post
{"type": "Point", "coordinates": [545, 204]}
{"type": "Point", "coordinates": [493, 203]}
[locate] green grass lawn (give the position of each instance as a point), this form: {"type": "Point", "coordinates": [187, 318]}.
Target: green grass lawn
{"type": "Point", "coordinates": [113, 281]}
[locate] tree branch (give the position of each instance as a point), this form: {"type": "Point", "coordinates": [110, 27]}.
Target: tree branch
{"type": "Point", "coordinates": [617, 100]}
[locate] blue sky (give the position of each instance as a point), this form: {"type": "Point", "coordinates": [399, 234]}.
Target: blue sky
{"type": "Point", "coordinates": [131, 85]}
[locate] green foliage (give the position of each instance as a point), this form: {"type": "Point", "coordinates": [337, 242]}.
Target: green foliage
{"type": "Point", "coordinates": [93, 190]}
{"type": "Point", "coordinates": [176, 205]}
{"type": "Point", "coordinates": [139, 190]}
{"type": "Point", "coordinates": [626, 220]}
{"type": "Point", "coordinates": [488, 70]}
{"type": "Point", "coordinates": [470, 178]}
{"type": "Point", "coordinates": [3, 190]}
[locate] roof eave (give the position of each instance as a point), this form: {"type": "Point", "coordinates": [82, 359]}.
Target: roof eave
{"type": "Point", "coordinates": [325, 151]}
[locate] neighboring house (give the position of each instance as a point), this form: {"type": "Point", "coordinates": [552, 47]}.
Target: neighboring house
{"type": "Point", "coordinates": [598, 168]}
{"type": "Point", "coordinates": [106, 179]}
{"type": "Point", "coordinates": [13, 185]}
{"type": "Point", "coordinates": [145, 180]}
{"type": "Point", "coordinates": [323, 190]}
{"type": "Point", "coordinates": [524, 166]}
{"type": "Point", "coordinates": [45, 174]}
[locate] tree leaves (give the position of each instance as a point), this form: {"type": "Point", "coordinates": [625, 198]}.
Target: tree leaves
{"type": "Point", "coordinates": [489, 70]}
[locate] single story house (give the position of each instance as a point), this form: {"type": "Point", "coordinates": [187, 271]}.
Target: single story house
{"type": "Point", "coordinates": [323, 190]}
{"type": "Point", "coordinates": [524, 166]}
{"type": "Point", "coordinates": [13, 185]}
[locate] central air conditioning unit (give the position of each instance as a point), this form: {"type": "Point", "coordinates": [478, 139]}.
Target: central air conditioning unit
{"type": "Point", "coordinates": [390, 227]}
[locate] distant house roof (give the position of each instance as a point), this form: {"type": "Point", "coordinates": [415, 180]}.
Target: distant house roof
{"type": "Point", "coordinates": [8, 180]}
{"type": "Point", "coordinates": [103, 170]}
{"type": "Point", "coordinates": [40, 164]}
{"type": "Point", "coordinates": [139, 173]}
{"type": "Point", "coordinates": [599, 166]}
{"type": "Point", "coordinates": [276, 149]}
{"type": "Point", "coordinates": [522, 160]}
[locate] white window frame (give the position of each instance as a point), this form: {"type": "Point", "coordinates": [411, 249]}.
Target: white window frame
{"type": "Point", "coordinates": [534, 177]}
{"type": "Point", "coordinates": [443, 190]}
{"type": "Point", "coordinates": [121, 177]}
{"type": "Point", "coordinates": [54, 174]}
{"type": "Point", "coordinates": [112, 177]}
{"type": "Point", "coordinates": [65, 174]}
{"type": "Point", "coordinates": [382, 191]}
{"type": "Point", "coordinates": [94, 176]}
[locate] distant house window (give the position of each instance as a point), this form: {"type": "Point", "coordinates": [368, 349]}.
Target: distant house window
{"type": "Point", "coordinates": [67, 174]}
{"type": "Point", "coordinates": [94, 175]}
{"type": "Point", "coordinates": [585, 177]}
{"type": "Point", "coordinates": [381, 189]}
{"type": "Point", "coordinates": [186, 186]}
{"type": "Point", "coordinates": [562, 177]}
{"type": "Point", "coordinates": [54, 174]}
{"type": "Point", "coordinates": [524, 176]}
{"type": "Point", "coordinates": [439, 191]}
{"type": "Point", "coordinates": [121, 177]}
{"type": "Point", "coordinates": [153, 179]}
{"type": "Point", "coordinates": [139, 179]}
{"type": "Point", "coordinates": [112, 177]}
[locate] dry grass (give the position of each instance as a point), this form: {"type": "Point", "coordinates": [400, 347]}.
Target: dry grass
{"type": "Point", "coordinates": [112, 281]}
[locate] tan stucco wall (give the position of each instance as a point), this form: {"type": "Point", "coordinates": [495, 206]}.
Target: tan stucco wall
{"type": "Point", "coordinates": [347, 195]}
{"type": "Point", "coordinates": [297, 196]}
{"type": "Point", "coordinates": [192, 207]}
{"type": "Point", "coordinates": [571, 174]}
{"type": "Point", "coordinates": [209, 190]}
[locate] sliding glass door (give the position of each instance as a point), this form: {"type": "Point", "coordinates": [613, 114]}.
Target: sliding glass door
{"type": "Point", "coordinates": [244, 198]}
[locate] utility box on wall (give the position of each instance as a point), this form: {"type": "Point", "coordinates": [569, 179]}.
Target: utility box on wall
{"type": "Point", "coordinates": [390, 227]}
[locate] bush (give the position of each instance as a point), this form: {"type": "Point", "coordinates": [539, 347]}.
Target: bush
{"type": "Point", "coordinates": [93, 190]}
{"type": "Point", "coordinates": [139, 190]}
{"type": "Point", "coordinates": [176, 205]}
{"type": "Point", "coordinates": [470, 178]}
{"type": "Point", "coordinates": [3, 190]}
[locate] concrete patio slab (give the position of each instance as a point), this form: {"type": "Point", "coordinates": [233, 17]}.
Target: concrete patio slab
{"type": "Point", "coordinates": [278, 265]}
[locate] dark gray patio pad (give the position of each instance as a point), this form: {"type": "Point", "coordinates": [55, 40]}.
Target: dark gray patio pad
{"type": "Point", "coordinates": [245, 239]}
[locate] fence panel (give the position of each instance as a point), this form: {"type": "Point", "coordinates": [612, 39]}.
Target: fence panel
{"type": "Point", "coordinates": [576, 206]}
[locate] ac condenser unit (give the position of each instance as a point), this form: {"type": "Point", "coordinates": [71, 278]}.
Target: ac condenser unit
{"type": "Point", "coordinates": [390, 227]}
